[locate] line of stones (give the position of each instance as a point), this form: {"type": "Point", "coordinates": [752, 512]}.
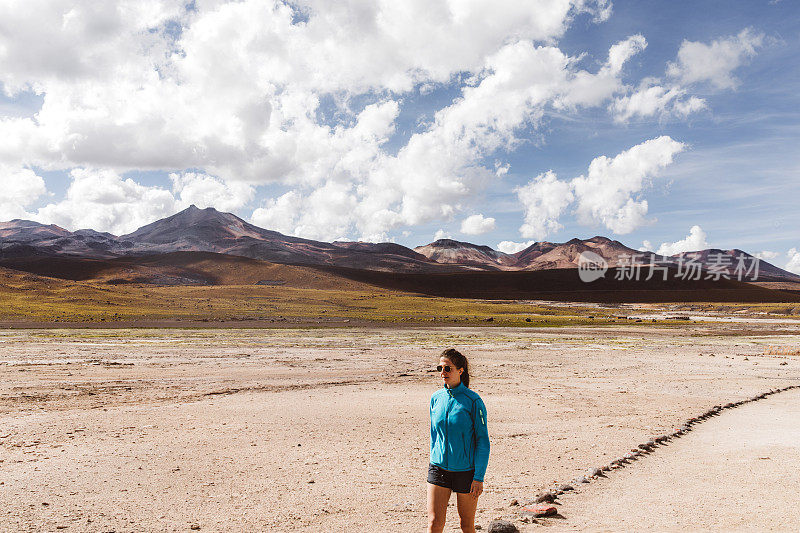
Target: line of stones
{"type": "Point", "coordinates": [549, 496]}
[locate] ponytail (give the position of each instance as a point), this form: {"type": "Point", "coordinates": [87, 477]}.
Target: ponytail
{"type": "Point", "coordinates": [460, 361]}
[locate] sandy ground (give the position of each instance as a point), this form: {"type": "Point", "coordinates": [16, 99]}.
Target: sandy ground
{"type": "Point", "coordinates": [327, 430]}
{"type": "Point", "coordinates": [735, 472]}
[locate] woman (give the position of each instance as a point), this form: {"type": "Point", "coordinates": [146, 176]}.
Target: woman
{"type": "Point", "coordinates": [459, 445]}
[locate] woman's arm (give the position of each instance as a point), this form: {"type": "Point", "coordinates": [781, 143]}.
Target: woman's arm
{"type": "Point", "coordinates": [433, 433]}
{"type": "Point", "coordinates": [481, 440]}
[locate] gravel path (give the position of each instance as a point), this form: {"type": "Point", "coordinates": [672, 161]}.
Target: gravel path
{"type": "Point", "coordinates": [735, 472]}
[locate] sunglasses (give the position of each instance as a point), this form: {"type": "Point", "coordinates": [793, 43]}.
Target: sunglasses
{"type": "Point", "coordinates": [446, 368]}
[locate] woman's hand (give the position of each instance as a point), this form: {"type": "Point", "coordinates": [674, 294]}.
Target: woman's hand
{"type": "Point", "coordinates": [476, 489]}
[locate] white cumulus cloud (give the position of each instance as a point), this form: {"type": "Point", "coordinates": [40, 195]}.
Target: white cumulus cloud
{"type": "Point", "coordinates": [695, 63]}
{"type": "Point", "coordinates": [20, 188]}
{"type": "Point", "coordinates": [766, 255]}
{"type": "Point", "coordinates": [279, 214]}
{"type": "Point", "coordinates": [610, 192]}
{"type": "Point", "coordinates": [433, 176]}
{"type": "Point", "coordinates": [696, 240]}
{"type": "Point", "coordinates": [102, 200]}
{"type": "Point", "coordinates": [441, 234]}
{"type": "Point", "coordinates": [715, 62]}
{"type": "Point", "coordinates": [656, 100]}
{"type": "Point", "coordinates": [303, 93]}
{"type": "Point", "coordinates": [511, 247]}
{"type": "Point", "coordinates": [204, 191]}
{"type": "Point", "coordinates": [477, 225]}
{"type": "Point", "coordinates": [544, 198]}
{"type": "Point", "coordinates": [793, 265]}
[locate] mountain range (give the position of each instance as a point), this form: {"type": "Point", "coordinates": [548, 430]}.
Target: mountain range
{"type": "Point", "coordinates": [209, 230]}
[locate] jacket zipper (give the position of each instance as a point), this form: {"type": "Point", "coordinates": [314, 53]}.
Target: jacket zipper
{"type": "Point", "coordinates": [446, 420]}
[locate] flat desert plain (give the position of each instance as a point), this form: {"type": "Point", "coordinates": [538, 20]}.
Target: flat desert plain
{"type": "Point", "coordinates": [328, 429]}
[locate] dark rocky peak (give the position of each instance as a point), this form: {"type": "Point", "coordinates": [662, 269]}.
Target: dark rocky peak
{"type": "Point", "coordinates": [451, 243]}
{"type": "Point", "coordinates": [196, 224]}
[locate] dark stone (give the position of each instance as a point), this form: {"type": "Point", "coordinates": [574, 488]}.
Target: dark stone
{"type": "Point", "coordinates": [502, 526]}
{"type": "Point", "coordinates": [545, 497]}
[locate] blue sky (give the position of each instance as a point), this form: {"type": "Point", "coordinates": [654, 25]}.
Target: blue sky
{"type": "Point", "coordinates": [372, 122]}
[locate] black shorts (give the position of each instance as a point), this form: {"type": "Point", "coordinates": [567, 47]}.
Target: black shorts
{"type": "Point", "coordinates": [455, 481]}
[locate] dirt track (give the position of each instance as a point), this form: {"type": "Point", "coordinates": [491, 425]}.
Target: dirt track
{"type": "Point", "coordinates": [327, 430]}
{"type": "Point", "coordinates": [735, 472]}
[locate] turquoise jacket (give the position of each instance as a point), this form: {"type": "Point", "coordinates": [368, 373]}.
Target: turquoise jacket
{"type": "Point", "coordinates": [459, 438]}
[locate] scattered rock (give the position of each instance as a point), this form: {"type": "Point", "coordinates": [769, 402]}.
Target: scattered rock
{"type": "Point", "coordinates": [784, 363]}
{"type": "Point", "coordinates": [540, 510]}
{"type": "Point", "coordinates": [514, 503]}
{"type": "Point", "coordinates": [502, 526]}
{"type": "Point", "coordinates": [545, 497]}
{"type": "Point", "coordinates": [582, 479]}
{"type": "Point", "coordinates": [194, 526]}
{"type": "Point", "coordinates": [565, 487]}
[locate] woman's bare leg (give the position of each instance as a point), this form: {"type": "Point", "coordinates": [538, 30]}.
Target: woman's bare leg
{"type": "Point", "coordinates": [467, 506]}
{"type": "Point", "coordinates": [437, 507]}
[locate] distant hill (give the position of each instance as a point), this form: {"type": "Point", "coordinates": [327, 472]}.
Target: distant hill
{"type": "Point", "coordinates": [463, 253]}
{"type": "Point", "coordinates": [549, 256]}
{"type": "Point", "coordinates": [206, 230]}
{"type": "Point", "coordinates": [565, 285]}
{"type": "Point", "coordinates": [24, 242]}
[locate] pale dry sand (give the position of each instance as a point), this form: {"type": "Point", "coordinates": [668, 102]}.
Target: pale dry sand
{"type": "Point", "coordinates": [327, 430]}
{"type": "Point", "coordinates": [735, 472]}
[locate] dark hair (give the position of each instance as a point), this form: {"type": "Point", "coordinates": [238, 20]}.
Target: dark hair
{"type": "Point", "coordinates": [460, 361]}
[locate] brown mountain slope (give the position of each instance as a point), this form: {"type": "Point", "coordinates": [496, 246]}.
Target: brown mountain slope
{"type": "Point", "coordinates": [565, 285]}
{"type": "Point", "coordinates": [736, 262]}
{"type": "Point", "coordinates": [208, 230]}
{"type": "Point", "coordinates": [547, 255]}
{"type": "Point", "coordinates": [449, 251]}
{"type": "Point", "coordinates": [183, 268]}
